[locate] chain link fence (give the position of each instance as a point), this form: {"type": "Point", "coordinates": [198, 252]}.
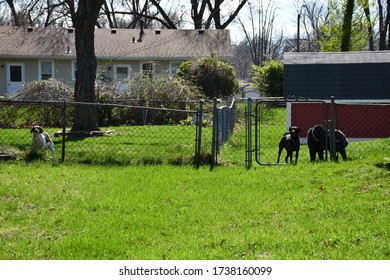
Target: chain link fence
{"type": "Point", "coordinates": [128, 134]}
{"type": "Point", "coordinates": [224, 121]}
{"type": "Point", "coordinates": [364, 124]}
{"type": "Point", "coordinates": [135, 132]}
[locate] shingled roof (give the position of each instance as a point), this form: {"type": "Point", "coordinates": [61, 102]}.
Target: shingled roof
{"type": "Point", "coordinates": [179, 44]}
{"type": "Point", "coordinates": [336, 57]}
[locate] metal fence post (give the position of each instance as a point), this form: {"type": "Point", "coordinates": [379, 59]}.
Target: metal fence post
{"type": "Point", "coordinates": [223, 123]}
{"type": "Point", "coordinates": [214, 134]}
{"type": "Point", "coordinates": [249, 149]}
{"type": "Point", "coordinates": [64, 120]}
{"type": "Point", "coordinates": [198, 148]}
{"type": "Point", "coordinates": [332, 131]}
{"type": "Point", "coordinates": [232, 117]}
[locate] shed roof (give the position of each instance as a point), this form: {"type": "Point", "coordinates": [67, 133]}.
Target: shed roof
{"type": "Point", "coordinates": [336, 57]}
{"type": "Point", "coordinates": [118, 44]}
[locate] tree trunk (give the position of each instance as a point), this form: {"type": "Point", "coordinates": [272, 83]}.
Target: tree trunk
{"type": "Point", "coordinates": [367, 12]}
{"type": "Point", "coordinates": [13, 12]}
{"type": "Point", "coordinates": [84, 20]}
{"type": "Point", "coordinates": [347, 26]}
{"type": "Point", "coordinates": [388, 25]}
{"type": "Point", "coordinates": [384, 21]}
{"type": "Point", "coordinates": [197, 13]}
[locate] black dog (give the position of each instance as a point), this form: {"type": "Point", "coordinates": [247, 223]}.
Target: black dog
{"type": "Point", "coordinates": [318, 139]}
{"type": "Point", "coordinates": [316, 142]}
{"type": "Point", "coordinates": [290, 142]}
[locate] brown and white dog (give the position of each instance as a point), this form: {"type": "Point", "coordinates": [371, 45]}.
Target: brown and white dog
{"type": "Point", "coordinates": [41, 140]}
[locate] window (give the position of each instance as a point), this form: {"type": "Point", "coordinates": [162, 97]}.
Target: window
{"type": "Point", "coordinates": [147, 69]}
{"type": "Point", "coordinates": [46, 70]}
{"type": "Point", "coordinates": [122, 74]}
{"type": "Point", "coordinates": [173, 67]}
{"type": "Point", "coordinates": [15, 73]}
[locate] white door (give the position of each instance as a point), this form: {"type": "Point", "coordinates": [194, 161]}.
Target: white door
{"type": "Point", "coordinates": [15, 77]}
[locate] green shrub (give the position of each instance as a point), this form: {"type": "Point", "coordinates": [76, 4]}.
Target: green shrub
{"type": "Point", "coordinates": [213, 76]}
{"type": "Point", "coordinates": [268, 78]}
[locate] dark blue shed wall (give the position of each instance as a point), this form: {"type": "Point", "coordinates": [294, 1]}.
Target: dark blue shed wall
{"type": "Point", "coordinates": [343, 81]}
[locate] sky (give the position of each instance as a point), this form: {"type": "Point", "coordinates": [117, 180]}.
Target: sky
{"type": "Point", "coordinates": [285, 19]}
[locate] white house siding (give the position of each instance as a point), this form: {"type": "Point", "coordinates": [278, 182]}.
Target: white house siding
{"type": "Point", "coordinates": [162, 68]}
{"type": "Point", "coordinates": [31, 70]}
{"type": "Point", "coordinates": [63, 72]}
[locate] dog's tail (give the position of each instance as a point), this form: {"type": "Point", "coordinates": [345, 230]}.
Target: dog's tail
{"type": "Point", "coordinates": [314, 130]}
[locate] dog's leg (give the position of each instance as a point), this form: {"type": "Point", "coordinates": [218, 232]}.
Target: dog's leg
{"type": "Point", "coordinates": [343, 153]}
{"type": "Point", "coordinates": [289, 155]}
{"type": "Point", "coordinates": [321, 155]}
{"type": "Point", "coordinates": [279, 153]}
{"type": "Point", "coordinates": [296, 157]}
{"type": "Point", "coordinates": [312, 155]}
{"type": "Point", "coordinates": [52, 153]}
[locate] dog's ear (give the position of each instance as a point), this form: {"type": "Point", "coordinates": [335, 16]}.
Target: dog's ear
{"type": "Point", "coordinates": [32, 129]}
{"type": "Point", "coordinates": [290, 129]}
{"type": "Point", "coordinates": [298, 129]}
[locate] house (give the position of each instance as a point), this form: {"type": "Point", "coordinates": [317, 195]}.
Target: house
{"type": "Point", "coordinates": [34, 53]}
{"type": "Point", "coordinates": [359, 82]}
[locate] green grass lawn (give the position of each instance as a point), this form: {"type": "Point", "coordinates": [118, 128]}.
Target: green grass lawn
{"type": "Point", "coordinates": [322, 210]}
{"type": "Point", "coordinates": [125, 145]}
{"type": "Point", "coordinates": [305, 211]}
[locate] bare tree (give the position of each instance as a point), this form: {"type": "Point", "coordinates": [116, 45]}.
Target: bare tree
{"type": "Point", "coordinates": [36, 13]}
{"type": "Point", "coordinates": [204, 14]}
{"type": "Point", "coordinates": [217, 16]}
{"type": "Point", "coordinates": [262, 44]}
{"type": "Point", "coordinates": [14, 13]}
{"type": "Point", "coordinates": [242, 59]}
{"type": "Point", "coordinates": [312, 15]}
{"type": "Point", "coordinates": [197, 12]}
{"type": "Point", "coordinates": [126, 14]}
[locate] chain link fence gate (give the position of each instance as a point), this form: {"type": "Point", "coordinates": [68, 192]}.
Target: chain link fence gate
{"type": "Point", "coordinates": [270, 119]}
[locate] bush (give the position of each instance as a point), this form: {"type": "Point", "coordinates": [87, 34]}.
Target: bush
{"type": "Point", "coordinates": [213, 76]}
{"type": "Point", "coordinates": [45, 90]}
{"type": "Point", "coordinates": [268, 78]}
{"type": "Point", "coordinates": [161, 91]}
{"type": "Point", "coordinates": [47, 115]}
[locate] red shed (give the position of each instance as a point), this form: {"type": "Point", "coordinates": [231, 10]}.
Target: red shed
{"type": "Point", "coordinates": [359, 81]}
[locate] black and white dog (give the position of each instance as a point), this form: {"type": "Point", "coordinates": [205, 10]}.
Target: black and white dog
{"type": "Point", "coordinates": [41, 140]}
{"type": "Point", "coordinates": [290, 141]}
{"type": "Point", "coordinates": [318, 138]}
